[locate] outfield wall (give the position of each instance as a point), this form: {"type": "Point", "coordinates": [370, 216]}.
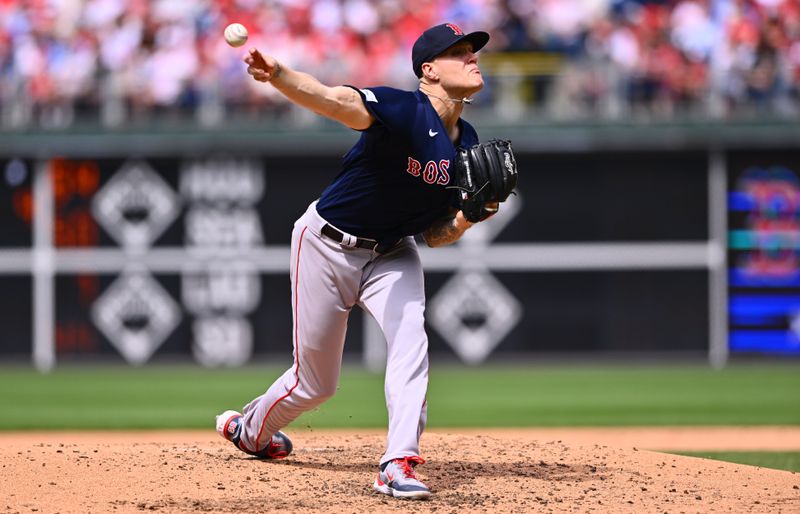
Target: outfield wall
{"type": "Point", "coordinates": [148, 250]}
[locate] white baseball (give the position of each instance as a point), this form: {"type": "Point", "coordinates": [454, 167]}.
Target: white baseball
{"type": "Point", "coordinates": [236, 34]}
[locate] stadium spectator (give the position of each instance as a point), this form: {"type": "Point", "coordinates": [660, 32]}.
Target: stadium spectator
{"type": "Point", "coordinates": [119, 61]}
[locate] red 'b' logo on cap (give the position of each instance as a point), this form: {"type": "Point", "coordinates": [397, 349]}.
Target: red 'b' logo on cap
{"type": "Point", "coordinates": [456, 29]}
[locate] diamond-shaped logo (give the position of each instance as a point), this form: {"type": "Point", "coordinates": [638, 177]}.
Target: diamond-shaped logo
{"type": "Point", "coordinates": [136, 205]}
{"type": "Point", "coordinates": [136, 314]}
{"type": "Point", "coordinates": [474, 312]}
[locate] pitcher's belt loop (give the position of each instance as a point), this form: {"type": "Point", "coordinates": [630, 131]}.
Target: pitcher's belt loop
{"type": "Point", "coordinates": [355, 242]}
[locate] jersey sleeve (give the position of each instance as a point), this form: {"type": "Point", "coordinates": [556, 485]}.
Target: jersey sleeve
{"type": "Point", "coordinates": [392, 108]}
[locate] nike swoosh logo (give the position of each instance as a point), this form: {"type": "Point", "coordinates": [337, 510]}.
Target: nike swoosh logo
{"type": "Point", "coordinates": [431, 132]}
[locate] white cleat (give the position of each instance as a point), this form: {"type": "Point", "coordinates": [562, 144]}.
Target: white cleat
{"type": "Point", "coordinates": [229, 426]}
{"type": "Point", "coordinates": [398, 479]}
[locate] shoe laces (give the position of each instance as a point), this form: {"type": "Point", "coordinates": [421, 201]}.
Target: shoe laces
{"type": "Point", "coordinates": [406, 465]}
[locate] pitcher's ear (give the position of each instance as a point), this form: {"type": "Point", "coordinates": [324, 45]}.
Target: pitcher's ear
{"type": "Point", "coordinates": [428, 71]}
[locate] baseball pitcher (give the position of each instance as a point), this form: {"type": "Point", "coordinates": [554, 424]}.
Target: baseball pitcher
{"type": "Point", "coordinates": [417, 168]}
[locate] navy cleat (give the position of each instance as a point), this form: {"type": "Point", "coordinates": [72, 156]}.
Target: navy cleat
{"type": "Point", "coordinates": [229, 426]}
{"type": "Point", "coordinates": [398, 479]}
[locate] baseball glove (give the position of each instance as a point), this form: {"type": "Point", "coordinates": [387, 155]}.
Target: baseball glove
{"type": "Point", "coordinates": [486, 174]}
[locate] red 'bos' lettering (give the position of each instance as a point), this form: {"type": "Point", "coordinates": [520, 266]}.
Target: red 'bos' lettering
{"type": "Point", "coordinates": [414, 166]}
{"type": "Point", "coordinates": [433, 173]}
{"type": "Point", "coordinates": [444, 177]}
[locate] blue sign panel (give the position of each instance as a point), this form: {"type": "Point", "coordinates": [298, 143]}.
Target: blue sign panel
{"type": "Point", "coordinates": [764, 255]}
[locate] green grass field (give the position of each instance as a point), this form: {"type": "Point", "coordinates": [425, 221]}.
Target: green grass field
{"type": "Point", "coordinates": [788, 461]}
{"type": "Point", "coordinates": [511, 396]}
{"type": "Point", "coordinates": [176, 397]}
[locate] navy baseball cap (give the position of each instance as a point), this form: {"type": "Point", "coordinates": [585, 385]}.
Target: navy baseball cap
{"type": "Point", "coordinates": [437, 39]}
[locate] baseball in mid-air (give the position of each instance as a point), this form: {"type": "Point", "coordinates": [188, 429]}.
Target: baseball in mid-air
{"type": "Point", "coordinates": [236, 34]}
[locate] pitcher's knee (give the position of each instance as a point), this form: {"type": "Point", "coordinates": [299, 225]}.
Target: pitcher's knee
{"type": "Point", "coordinates": [326, 393]}
{"type": "Point", "coordinates": [310, 398]}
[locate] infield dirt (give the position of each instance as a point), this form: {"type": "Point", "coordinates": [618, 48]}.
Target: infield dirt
{"type": "Point", "coordinates": [536, 470]}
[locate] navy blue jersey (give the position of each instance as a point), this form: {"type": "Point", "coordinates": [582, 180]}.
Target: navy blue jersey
{"type": "Point", "coordinates": [394, 180]}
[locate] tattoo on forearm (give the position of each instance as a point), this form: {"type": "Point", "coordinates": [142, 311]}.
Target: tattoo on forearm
{"type": "Point", "coordinates": [443, 233]}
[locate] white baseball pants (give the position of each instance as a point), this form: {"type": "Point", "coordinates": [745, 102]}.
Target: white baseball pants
{"type": "Point", "coordinates": [328, 279]}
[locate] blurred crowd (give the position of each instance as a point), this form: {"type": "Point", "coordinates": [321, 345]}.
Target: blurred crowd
{"type": "Point", "coordinates": [118, 61]}
{"type": "Point", "coordinates": [701, 58]}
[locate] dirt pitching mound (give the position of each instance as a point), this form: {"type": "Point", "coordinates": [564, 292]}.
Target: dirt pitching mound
{"type": "Point", "coordinates": [490, 471]}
